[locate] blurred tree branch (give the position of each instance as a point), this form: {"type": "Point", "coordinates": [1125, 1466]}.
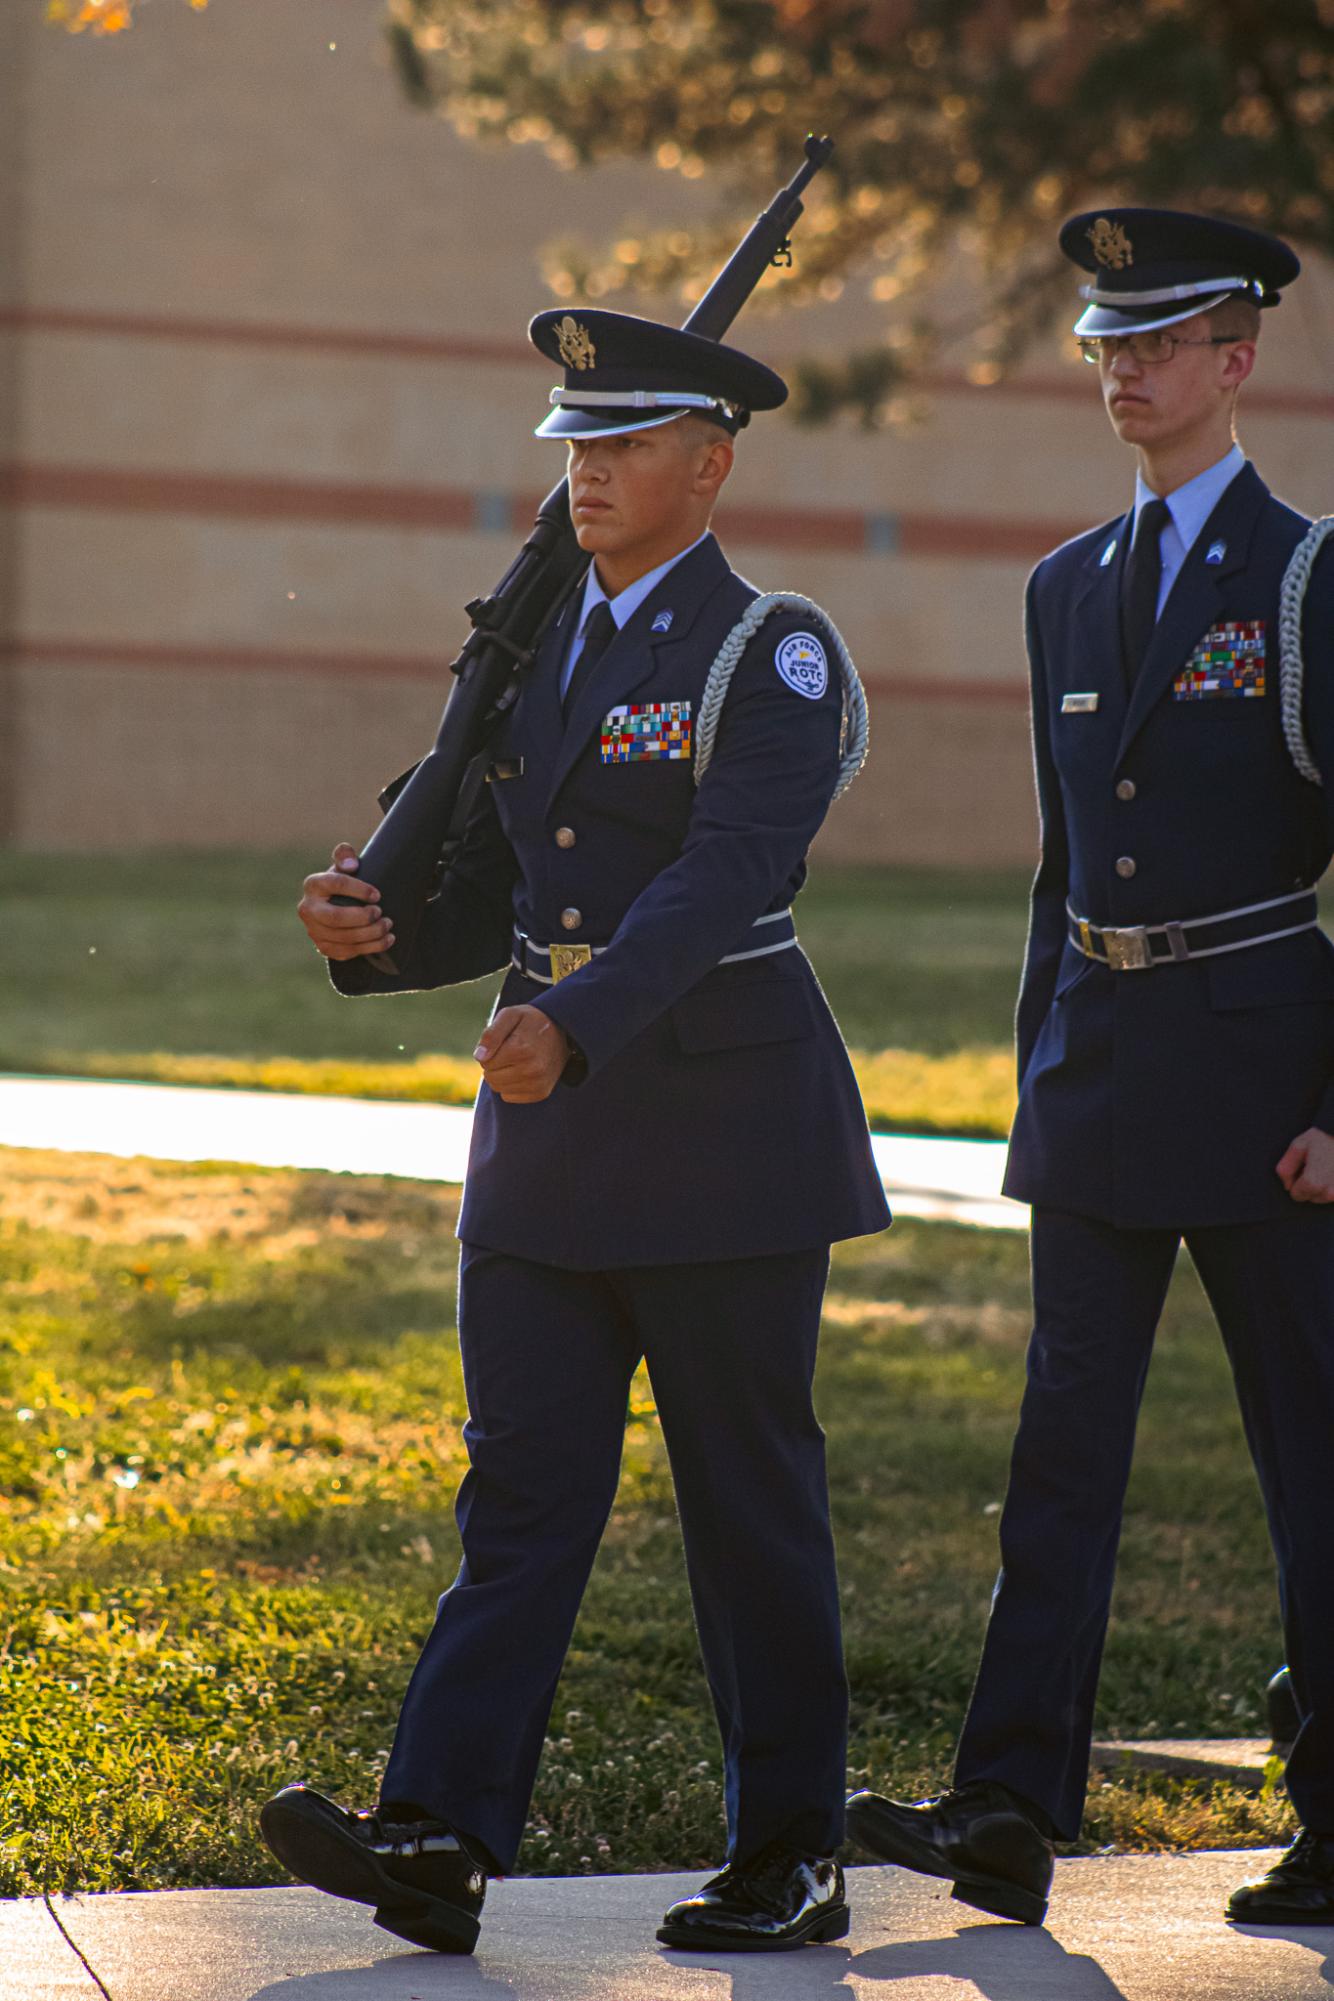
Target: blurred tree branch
{"type": "Point", "coordinates": [104, 17]}
{"type": "Point", "coordinates": [963, 126]}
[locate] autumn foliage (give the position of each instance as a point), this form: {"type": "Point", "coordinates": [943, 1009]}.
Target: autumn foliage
{"type": "Point", "coordinates": [100, 17]}
{"type": "Point", "coordinates": [965, 130]}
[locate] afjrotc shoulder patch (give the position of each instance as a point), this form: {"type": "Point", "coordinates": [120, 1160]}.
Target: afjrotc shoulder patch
{"type": "Point", "coordinates": [647, 732]}
{"type": "Point", "coordinates": [1229, 661]}
{"type": "Point", "coordinates": [801, 662]}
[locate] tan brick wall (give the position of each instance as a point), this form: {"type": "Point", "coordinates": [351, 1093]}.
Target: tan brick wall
{"type": "Point", "coordinates": [13, 41]}
{"type": "Point", "coordinates": [237, 549]}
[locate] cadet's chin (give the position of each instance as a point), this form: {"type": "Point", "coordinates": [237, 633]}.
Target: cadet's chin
{"type": "Point", "coordinates": [601, 538]}
{"type": "Point", "coordinates": [1132, 422]}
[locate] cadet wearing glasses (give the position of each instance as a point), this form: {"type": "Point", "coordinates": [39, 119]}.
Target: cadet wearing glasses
{"type": "Point", "coordinates": [1175, 1043]}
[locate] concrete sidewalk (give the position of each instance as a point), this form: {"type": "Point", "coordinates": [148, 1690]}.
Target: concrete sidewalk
{"type": "Point", "coordinates": [1124, 1928]}
{"type": "Point", "coordinates": [945, 1180]}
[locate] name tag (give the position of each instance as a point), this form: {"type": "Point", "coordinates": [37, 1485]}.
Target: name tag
{"type": "Point", "coordinates": [647, 733]}
{"type": "Point", "coordinates": [1079, 705]}
{"type": "Point", "coordinates": [1229, 662]}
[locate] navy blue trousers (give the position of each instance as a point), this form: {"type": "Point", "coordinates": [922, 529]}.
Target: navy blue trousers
{"type": "Point", "coordinates": [548, 1356]}
{"type": "Point", "coordinates": [1098, 1293]}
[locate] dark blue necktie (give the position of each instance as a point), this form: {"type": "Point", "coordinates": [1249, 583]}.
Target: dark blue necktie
{"type": "Point", "coordinates": [598, 635]}
{"type": "Point", "coordinates": [1140, 585]}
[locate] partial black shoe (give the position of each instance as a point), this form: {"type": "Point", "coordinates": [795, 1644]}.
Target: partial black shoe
{"type": "Point", "coordinates": [773, 1903]}
{"type": "Point", "coordinates": [1298, 1890]}
{"type": "Point", "coordinates": [423, 1883]}
{"type": "Point", "coordinates": [975, 1834]}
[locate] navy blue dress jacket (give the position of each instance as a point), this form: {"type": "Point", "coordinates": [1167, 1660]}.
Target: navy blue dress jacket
{"type": "Point", "coordinates": [1165, 1097]}
{"type": "Point", "coordinates": [718, 1116]}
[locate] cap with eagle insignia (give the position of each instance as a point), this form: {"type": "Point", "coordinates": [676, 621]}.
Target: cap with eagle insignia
{"type": "Point", "coordinates": [623, 373]}
{"type": "Point", "coordinates": [1154, 266]}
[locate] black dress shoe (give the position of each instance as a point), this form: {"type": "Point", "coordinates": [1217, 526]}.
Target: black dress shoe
{"type": "Point", "coordinates": [425, 1886]}
{"type": "Point", "coordinates": [976, 1834]}
{"type": "Point", "coordinates": [776, 1901]}
{"type": "Point", "coordinates": [1298, 1890]}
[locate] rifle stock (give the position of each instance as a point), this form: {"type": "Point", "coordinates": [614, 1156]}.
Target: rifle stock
{"type": "Point", "coordinates": [426, 808]}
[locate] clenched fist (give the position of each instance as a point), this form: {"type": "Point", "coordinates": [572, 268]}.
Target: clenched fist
{"type": "Point", "coordinates": [336, 931]}
{"type": "Point", "coordinates": [522, 1054]}
{"type": "Point", "coordinates": [1307, 1168]}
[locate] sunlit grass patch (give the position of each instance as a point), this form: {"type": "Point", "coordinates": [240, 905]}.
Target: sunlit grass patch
{"type": "Point", "coordinates": [971, 1092]}
{"type": "Point", "coordinates": [230, 1432]}
{"type": "Point", "coordinates": [201, 954]}
{"type": "Point", "coordinates": [438, 1080]}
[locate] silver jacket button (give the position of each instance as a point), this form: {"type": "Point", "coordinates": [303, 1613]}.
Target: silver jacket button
{"type": "Point", "coordinates": [565, 837]}
{"type": "Point", "coordinates": [571, 919]}
{"type": "Point", "coordinates": [1126, 867]}
{"type": "Point", "coordinates": [1125, 788]}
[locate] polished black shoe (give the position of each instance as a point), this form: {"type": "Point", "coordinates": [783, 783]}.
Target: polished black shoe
{"type": "Point", "coordinates": [773, 1903]}
{"type": "Point", "coordinates": [999, 1861]}
{"type": "Point", "coordinates": [423, 1883]}
{"type": "Point", "coordinates": [1298, 1890]}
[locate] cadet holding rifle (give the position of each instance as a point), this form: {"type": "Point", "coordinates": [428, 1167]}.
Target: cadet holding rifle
{"type": "Point", "coordinates": [667, 1140]}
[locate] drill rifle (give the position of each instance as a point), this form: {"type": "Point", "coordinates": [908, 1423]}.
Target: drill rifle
{"type": "Point", "coordinates": [426, 809]}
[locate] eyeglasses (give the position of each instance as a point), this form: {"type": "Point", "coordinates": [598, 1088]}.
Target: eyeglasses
{"type": "Point", "coordinates": [1149, 349]}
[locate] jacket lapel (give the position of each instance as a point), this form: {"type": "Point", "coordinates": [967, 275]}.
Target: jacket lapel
{"type": "Point", "coordinates": [635, 652]}
{"type": "Point", "coordinates": [1195, 599]}
{"type": "Point", "coordinates": [1097, 615]}
{"type": "Point", "coordinates": [541, 697]}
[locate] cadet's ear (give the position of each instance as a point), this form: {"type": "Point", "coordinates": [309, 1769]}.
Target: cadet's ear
{"type": "Point", "coordinates": [713, 464]}
{"type": "Point", "coordinates": [1238, 361]}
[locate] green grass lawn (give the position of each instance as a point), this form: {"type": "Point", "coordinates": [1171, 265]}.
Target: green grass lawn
{"type": "Point", "coordinates": [203, 954]}
{"type": "Point", "coordinates": [230, 1411]}
{"type": "Point", "coordinates": [194, 968]}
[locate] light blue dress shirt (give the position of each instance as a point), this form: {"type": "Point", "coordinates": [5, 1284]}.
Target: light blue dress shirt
{"type": "Point", "coordinates": [622, 606]}
{"type": "Point", "coordinates": [1189, 507]}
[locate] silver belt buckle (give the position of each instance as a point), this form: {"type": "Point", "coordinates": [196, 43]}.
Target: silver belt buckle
{"type": "Point", "coordinates": [1127, 948]}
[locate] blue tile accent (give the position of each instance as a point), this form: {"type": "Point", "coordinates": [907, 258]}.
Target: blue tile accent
{"type": "Point", "coordinates": [882, 535]}
{"type": "Point", "coordinates": [493, 513]}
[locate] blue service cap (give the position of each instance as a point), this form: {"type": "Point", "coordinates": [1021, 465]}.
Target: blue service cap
{"type": "Point", "coordinates": [623, 373]}
{"type": "Point", "coordinates": [1154, 266]}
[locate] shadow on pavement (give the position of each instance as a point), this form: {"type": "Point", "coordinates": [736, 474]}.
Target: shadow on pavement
{"type": "Point", "coordinates": [1003, 1963]}
{"type": "Point", "coordinates": [811, 1972]}
{"type": "Point", "coordinates": [1316, 1938]}
{"type": "Point", "coordinates": [405, 1974]}
{"type": "Point", "coordinates": [998, 1963]}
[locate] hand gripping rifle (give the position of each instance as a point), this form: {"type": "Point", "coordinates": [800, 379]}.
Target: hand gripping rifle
{"type": "Point", "coordinates": [427, 808]}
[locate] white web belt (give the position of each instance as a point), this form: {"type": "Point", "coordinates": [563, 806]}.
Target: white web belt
{"type": "Point", "coordinates": [1129, 948]}
{"type": "Point", "coordinates": [540, 962]}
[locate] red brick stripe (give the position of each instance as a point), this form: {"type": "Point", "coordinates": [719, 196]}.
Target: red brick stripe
{"type": "Point", "coordinates": [1057, 386]}
{"type": "Point", "coordinates": [223, 496]}
{"type": "Point", "coordinates": [234, 497]}
{"type": "Point", "coordinates": [190, 659]}
{"type": "Point", "coordinates": [244, 333]}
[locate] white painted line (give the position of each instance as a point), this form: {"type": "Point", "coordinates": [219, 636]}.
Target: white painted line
{"type": "Point", "coordinates": [259, 1128]}
{"type": "Point", "coordinates": [947, 1180]}
{"type": "Point", "coordinates": [954, 1180]}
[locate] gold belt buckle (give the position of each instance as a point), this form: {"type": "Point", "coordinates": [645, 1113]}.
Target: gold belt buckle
{"type": "Point", "coordinates": [1127, 949]}
{"type": "Point", "coordinates": [568, 959]}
